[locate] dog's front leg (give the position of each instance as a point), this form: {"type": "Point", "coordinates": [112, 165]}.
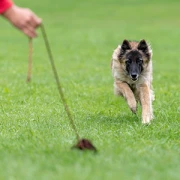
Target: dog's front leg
{"type": "Point", "coordinates": [145, 100]}
{"type": "Point", "coordinates": [124, 89]}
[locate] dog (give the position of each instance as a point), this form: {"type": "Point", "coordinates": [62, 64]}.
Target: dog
{"type": "Point", "coordinates": [132, 71]}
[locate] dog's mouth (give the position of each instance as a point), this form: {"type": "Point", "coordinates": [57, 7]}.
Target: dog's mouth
{"type": "Point", "coordinates": [134, 79]}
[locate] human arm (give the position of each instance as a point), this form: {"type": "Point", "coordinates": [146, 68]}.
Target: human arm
{"type": "Point", "coordinates": [22, 18]}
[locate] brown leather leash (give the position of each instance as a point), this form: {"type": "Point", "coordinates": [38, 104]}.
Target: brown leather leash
{"type": "Point", "coordinates": [82, 144]}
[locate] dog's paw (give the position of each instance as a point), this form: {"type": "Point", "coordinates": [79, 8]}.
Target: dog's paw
{"type": "Point", "coordinates": [133, 106]}
{"type": "Point", "coordinates": [133, 109]}
{"type": "Point", "coordinates": [146, 119]}
{"type": "Point", "coordinates": [146, 122]}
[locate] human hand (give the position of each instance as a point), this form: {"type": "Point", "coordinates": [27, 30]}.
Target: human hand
{"type": "Point", "coordinates": [23, 19]}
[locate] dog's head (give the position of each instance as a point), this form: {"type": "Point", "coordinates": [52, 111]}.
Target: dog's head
{"type": "Point", "coordinates": [134, 57]}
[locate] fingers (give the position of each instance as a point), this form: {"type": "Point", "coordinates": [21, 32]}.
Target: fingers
{"type": "Point", "coordinates": [31, 24]}
{"type": "Point", "coordinates": [35, 21]}
{"type": "Point", "coordinates": [24, 19]}
{"type": "Point", "coordinates": [30, 27]}
{"type": "Point", "coordinates": [30, 32]}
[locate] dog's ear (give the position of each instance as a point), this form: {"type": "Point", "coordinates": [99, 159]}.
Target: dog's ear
{"type": "Point", "coordinates": [125, 46]}
{"type": "Point", "coordinates": [144, 47]}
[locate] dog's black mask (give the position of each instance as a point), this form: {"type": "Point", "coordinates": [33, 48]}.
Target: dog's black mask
{"type": "Point", "coordinates": [134, 63]}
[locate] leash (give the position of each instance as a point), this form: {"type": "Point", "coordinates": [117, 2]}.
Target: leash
{"type": "Point", "coordinates": [82, 144]}
{"type": "Point", "coordinates": [58, 81]}
{"type": "Point", "coordinates": [29, 61]}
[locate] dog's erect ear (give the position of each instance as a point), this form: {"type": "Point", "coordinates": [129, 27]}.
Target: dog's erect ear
{"type": "Point", "coordinates": [125, 46]}
{"type": "Point", "coordinates": [145, 48]}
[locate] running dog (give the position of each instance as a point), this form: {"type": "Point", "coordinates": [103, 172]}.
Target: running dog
{"type": "Point", "coordinates": [132, 71]}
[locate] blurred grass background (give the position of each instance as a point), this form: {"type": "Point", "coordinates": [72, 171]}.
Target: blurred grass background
{"type": "Point", "coordinates": [34, 130]}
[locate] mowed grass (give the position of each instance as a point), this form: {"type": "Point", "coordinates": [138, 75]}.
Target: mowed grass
{"type": "Point", "coordinates": [35, 134]}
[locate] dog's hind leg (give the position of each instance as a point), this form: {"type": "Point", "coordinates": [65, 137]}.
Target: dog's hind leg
{"type": "Point", "coordinates": [146, 103]}
{"type": "Point", "coordinates": [122, 88]}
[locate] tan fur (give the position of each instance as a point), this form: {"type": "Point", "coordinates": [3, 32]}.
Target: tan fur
{"type": "Point", "coordinates": [138, 91]}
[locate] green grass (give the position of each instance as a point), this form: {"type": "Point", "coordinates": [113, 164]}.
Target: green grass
{"type": "Point", "coordinates": [35, 134]}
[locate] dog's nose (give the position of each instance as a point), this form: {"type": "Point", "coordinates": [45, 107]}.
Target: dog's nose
{"type": "Point", "coordinates": [134, 76]}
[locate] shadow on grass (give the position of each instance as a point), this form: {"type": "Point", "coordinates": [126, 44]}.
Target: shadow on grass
{"type": "Point", "coordinates": [123, 118]}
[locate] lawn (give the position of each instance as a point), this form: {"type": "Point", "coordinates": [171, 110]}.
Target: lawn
{"type": "Point", "coordinates": [35, 134]}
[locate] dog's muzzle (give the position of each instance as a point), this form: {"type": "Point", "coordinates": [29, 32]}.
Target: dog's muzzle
{"type": "Point", "coordinates": [134, 77]}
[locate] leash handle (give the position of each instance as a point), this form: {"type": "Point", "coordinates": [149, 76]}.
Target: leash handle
{"type": "Point", "coordinates": [57, 80]}
{"type": "Point", "coordinates": [29, 72]}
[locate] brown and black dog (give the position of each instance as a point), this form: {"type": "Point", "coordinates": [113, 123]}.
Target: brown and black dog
{"type": "Point", "coordinates": [132, 71]}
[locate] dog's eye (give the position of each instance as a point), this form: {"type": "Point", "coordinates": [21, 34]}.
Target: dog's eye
{"type": "Point", "coordinates": [139, 60]}
{"type": "Point", "coordinates": [128, 61]}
